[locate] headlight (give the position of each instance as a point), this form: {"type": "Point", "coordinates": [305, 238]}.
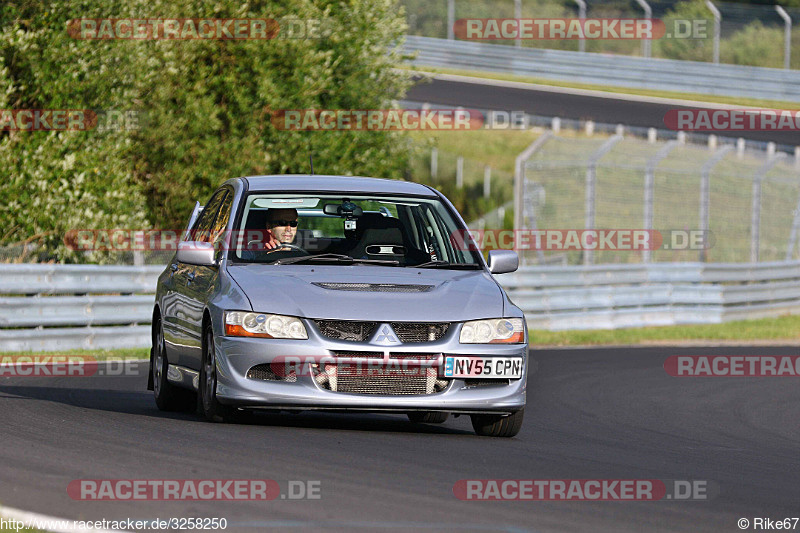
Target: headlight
{"type": "Point", "coordinates": [507, 330]}
{"type": "Point", "coordinates": [245, 324]}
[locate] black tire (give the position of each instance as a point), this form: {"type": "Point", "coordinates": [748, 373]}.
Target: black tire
{"type": "Point", "coordinates": [168, 397]}
{"type": "Point", "coordinates": [207, 402]}
{"type": "Point", "coordinates": [427, 417]}
{"type": "Point", "coordinates": [498, 425]}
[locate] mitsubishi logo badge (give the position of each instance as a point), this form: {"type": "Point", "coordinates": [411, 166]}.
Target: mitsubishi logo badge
{"type": "Point", "coordinates": [386, 336]}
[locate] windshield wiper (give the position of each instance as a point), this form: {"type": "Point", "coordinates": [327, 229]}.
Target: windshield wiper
{"type": "Point", "coordinates": [447, 264]}
{"type": "Point", "coordinates": [334, 258]}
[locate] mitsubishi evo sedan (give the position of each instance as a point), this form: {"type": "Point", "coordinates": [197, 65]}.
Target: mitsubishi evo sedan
{"type": "Point", "coordinates": [337, 293]}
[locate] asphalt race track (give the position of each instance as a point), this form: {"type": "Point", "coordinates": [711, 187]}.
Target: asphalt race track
{"type": "Point", "coordinates": [592, 414]}
{"type": "Point", "coordinates": [557, 103]}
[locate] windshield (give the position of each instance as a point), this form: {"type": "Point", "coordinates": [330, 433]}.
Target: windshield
{"type": "Point", "coordinates": [371, 229]}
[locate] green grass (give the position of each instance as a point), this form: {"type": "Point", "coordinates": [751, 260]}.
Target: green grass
{"type": "Point", "coordinates": [496, 148]}
{"type": "Point", "coordinates": [716, 99]}
{"type": "Point", "coordinates": [100, 355]}
{"type": "Point", "coordinates": [785, 328]}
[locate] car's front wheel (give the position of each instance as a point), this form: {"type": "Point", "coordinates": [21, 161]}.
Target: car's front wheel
{"type": "Point", "coordinates": [498, 425]}
{"type": "Point", "coordinates": [207, 401]}
{"type": "Point", "coordinates": [168, 396]}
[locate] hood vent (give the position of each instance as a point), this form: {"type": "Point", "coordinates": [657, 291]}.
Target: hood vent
{"type": "Point", "coordinates": [374, 287]}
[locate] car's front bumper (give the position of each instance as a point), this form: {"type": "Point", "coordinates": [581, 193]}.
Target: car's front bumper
{"type": "Point", "coordinates": [236, 355]}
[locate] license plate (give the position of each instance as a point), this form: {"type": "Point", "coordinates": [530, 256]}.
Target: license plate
{"type": "Point", "coordinates": [483, 367]}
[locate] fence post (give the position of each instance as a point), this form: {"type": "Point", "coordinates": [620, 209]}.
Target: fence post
{"type": "Point", "coordinates": [717, 24]}
{"type": "Point", "coordinates": [460, 172]}
{"type": "Point", "coordinates": [755, 212]}
{"type": "Point", "coordinates": [581, 15]}
{"type": "Point", "coordinates": [787, 36]}
{"type": "Point", "coordinates": [705, 178]}
{"type": "Point", "coordinates": [591, 179]}
{"type": "Point", "coordinates": [519, 182]}
{"type": "Point", "coordinates": [793, 234]}
{"type": "Point", "coordinates": [434, 162]}
{"type": "Point", "coordinates": [740, 144]}
{"type": "Point", "coordinates": [649, 179]}
{"type": "Point", "coordinates": [451, 18]}
{"type": "Point", "coordinates": [648, 14]}
{"type": "Point", "coordinates": [487, 181]}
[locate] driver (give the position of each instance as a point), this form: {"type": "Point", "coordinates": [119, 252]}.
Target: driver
{"type": "Point", "coordinates": [281, 228]}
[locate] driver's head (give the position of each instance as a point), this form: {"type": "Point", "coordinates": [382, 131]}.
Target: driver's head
{"type": "Point", "coordinates": [283, 224]}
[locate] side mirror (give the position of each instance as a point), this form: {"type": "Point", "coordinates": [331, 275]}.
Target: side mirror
{"type": "Point", "coordinates": [196, 253]}
{"type": "Point", "coordinates": [503, 261]}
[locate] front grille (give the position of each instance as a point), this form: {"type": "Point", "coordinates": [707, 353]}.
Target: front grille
{"type": "Point", "coordinates": [358, 331]}
{"type": "Point", "coordinates": [420, 331]}
{"type": "Point", "coordinates": [477, 383]}
{"type": "Point", "coordinates": [388, 381]}
{"type": "Point", "coordinates": [420, 356]}
{"type": "Point", "coordinates": [374, 287]}
{"type": "Point", "coordinates": [265, 372]}
{"type": "Point", "coordinates": [346, 330]}
{"type": "Point", "coordinates": [369, 355]}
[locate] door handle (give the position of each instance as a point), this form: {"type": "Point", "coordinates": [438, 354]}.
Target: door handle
{"type": "Point", "coordinates": [190, 276]}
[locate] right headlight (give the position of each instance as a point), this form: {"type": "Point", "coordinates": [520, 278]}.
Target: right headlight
{"type": "Point", "coordinates": [247, 324]}
{"type": "Point", "coordinates": [491, 331]}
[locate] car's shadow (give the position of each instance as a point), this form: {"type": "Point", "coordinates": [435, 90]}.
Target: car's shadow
{"type": "Point", "coordinates": [141, 403]}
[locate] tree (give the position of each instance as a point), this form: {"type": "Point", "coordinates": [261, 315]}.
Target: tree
{"type": "Point", "coordinates": [204, 106]}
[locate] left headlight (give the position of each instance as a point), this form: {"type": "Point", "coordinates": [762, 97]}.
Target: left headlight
{"type": "Point", "coordinates": [495, 330]}
{"type": "Point", "coordinates": [247, 324]}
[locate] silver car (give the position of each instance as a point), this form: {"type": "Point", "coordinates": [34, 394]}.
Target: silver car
{"type": "Point", "coordinates": [337, 293]}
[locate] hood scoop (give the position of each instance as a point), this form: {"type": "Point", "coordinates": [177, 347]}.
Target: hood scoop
{"type": "Point", "coordinates": [373, 287]}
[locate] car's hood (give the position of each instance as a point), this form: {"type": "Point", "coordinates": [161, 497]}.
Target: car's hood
{"type": "Point", "coordinates": [439, 295]}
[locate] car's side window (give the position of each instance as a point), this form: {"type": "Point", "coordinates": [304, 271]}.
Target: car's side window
{"type": "Point", "coordinates": [202, 229]}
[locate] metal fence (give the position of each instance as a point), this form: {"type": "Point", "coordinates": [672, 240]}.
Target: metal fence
{"type": "Point", "coordinates": [616, 296]}
{"type": "Point", "coordinates": [733, 33]}
{"type": "Point", "coordinates": [745, 202]}
{"type": "Point", "coordinates": [606, 69]}
{"type": "Point", "coordinates": [65, 307]}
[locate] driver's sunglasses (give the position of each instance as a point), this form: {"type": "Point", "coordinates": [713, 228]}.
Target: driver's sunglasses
{"type": "Point", "coordinates": [292, 223]}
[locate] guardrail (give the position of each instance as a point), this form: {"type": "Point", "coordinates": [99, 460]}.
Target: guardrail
{"type": "Point", "coordinates": [608, 69]}
{"type": "Point", "coordinates": [657, 294]}
{"type": "Point", "coordinates": [66, 307]}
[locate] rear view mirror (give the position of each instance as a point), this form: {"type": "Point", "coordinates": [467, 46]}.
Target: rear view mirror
{"type": "Point", "coordinates": [196, 253]}
{"type": "Point", "coordinates": [345, 209]}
